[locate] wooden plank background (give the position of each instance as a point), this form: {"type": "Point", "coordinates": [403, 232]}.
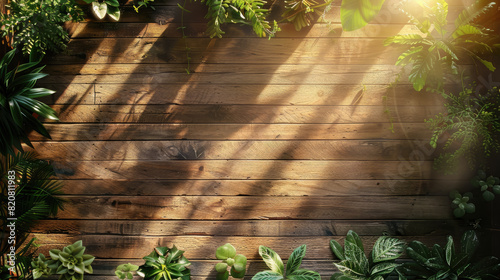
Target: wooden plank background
{"type": "Point", "coordinates": [277, 142]}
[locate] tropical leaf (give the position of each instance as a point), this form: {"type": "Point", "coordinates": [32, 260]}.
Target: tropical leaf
{"type": "Point", "coordinates": [354, 14]}
{"type": "Point", "coordinates": [303, 274]}
{"type": "Point", "coordinates": [272, 259]}
{"type": "Point", "coordinates": [295, 260]}
{"type": "Point", "coordinates": [267, 275]}
{"type": "Point", "coordinates": [356, 258]}
{"type": "Point", "coordinates": [406, 39]}
{"type": "Point", "coordinates": [472, 12]}
{"type": "Point", "coordinates": [387, 248]}
{"type": "Point", "coordinates": [384, 268]}
{"type": "Point", "coordinates": [337, 249]}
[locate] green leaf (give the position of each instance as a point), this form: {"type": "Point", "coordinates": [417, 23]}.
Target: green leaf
{"type": "Point", "coordinates": [387, 248]}
{"type": "Point", "coordinates": [303, 274]}
{"type": "Point", "coordinates": [354, 14]}
{"type": "Point", "coordinates": [222, 276]}
{"type": "Point", "coordinates": [488, 196]}
{"type": "Point", "coordinates": [112, 3]}
{"type": "Point", "coordinates": [25, 79]}
{"type": "Point", "coordinates": [383, 268]}
{"type": "Point", "coordinates": [267, 275]}
{"type": "Point", "coordinates": [15, 112]}
{"type": "Point", "coordinates": [337, 249]}
{"type": "Point", "coordinates": [272, 259]}
{"type": "Point", "coordinates": [354, 239]}
{"type": "Point", "coordinates": [356, 259]}
{"type": "Point", "coordinates": [99, 9]}
{"type": "Point", "coordinates": [405, 39]}
{"type": "Point", "coordinates": [467, 29]}
{"type": "Point", "coordinates": [113, 13]}
{"type": "Point", "coordinates": [450, 250]}
{"type": "Point", "coordinates": [418, 252]}
{"type": "Point", "coordinates": [409, 55]}
{"type": "Point", "coordinates": [295, 259]}
{"type": "Point", "coordinates": [237, 274]}
{"type": "Point", "coordinates": [240, 262]}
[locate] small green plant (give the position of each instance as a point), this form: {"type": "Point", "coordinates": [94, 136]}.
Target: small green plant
{"type": "Point", "coordinates": [278, 272]}
{"type": "Point", "coordinates": [473, 125]}
{"type": "Point", "coordinates": [355, 265]}
{"type": "Point", "coordinates": [165, 264]}
{"type": "Point", "coordinates": [143, 3]}
{"type": "Point", "coordinates": [489, 186]}
{"type": "Point", "coordinates": [102, 8]}
{"type": "Point", "coordinates": [439, 263]}
{"type": "Point", "coordinates": [439, 50]}
{"type": "Point", "coordinates": [36, 25]}
{"type": "Point", "coordinates": [71, 263]}
{"type": "Point", "coordinates": [18, 103]}
{"type": "Point", "coordinates": [237, 263]}
{"type": "Point", "coordinates": [302, 12]}
{"type": "Point", "coordinates": [126, 271]}
{"type": "Point", "coordinates": [248, 12]}
{"type": "Point", "coordinates": [462, 203]}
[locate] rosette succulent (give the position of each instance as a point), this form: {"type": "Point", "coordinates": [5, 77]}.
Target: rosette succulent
{"type": "Point", "coordinates": [71, 263]}
{"type": "Point", "coordinates": [165, 264]}
{"type": "Point", "coordinates": [236, 262]}
{"type": "Point", "coordinates": [40, 267]}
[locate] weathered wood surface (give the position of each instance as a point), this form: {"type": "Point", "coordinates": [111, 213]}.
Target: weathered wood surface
{"type": "Point", "coordinates": [282, 142]}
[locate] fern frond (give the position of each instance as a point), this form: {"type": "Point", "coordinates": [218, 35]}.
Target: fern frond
{"type": "Point", "coordinates": [409, 56]}
{"type": "Point", "coordinates": [422, 66]}
{"type": "Point", "coordinates": [405, 39]}
{"type": "Point", "coordinates": [217, 16]}
{"type": "Point", "coordinates": [467, 29]}
{"type": "Point", "coordinates": [472, 12]}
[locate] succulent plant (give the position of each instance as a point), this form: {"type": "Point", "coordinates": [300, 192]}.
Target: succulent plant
{"type": "Point", "coordinates": [126, 271]}
{"type": "Point", "coordinates": [40, 267]}
{"type": "Point", "coordinates": [462, 204]}
{"type": "Point", "coordinates": [165, 264]}
{"type": "Point", "coordinates": [71, 263]}
{"type": "Point", "coordinates": [489, 185]}
{"type": "Point", "coordinates": [236, 262]}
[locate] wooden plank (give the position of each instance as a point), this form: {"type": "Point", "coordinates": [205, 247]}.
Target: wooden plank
{"type": "Point", "coordinates": [228, 50]}
{"type": "Point", "coordinates": [151, 94]}
{"type": "Point", "coordinates": [235, 150]}
{"type": "Point", "coordinates": [159, 113]}
{"type": "Point", "coordinates": [139, 132]}
{"type": "Point", "coordinates": [203, 247]}
{"type": "Point", "coordinates": [244, 169]}
{"type": "Point", "coordinates": [255, 228]}
{"type": "Point", "coordinates": [231, 74]}
{"type": "Point", "coordinates": [171, 29]}
{"type": "Point", "coordinates": [396, 187]}
{"type": "Point", "coordinates": [256, 207]}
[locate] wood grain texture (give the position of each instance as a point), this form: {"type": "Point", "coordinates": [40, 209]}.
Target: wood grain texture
{"type": "Point", "coordinates": [372, 150]}
{"type": "Point", "coordinates": [240, 114]}
{"type": "Point", "coordinates": [255, 208]}
{"type": "Point", "coordinates": [243, 169]}
{"type": "Point", "coordinates": [139, 132]}
{"type": "Point", "coordinates": [255, 228]}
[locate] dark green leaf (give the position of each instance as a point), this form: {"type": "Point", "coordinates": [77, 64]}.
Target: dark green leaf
{"type": "Point", "coordinates": [295, 259]}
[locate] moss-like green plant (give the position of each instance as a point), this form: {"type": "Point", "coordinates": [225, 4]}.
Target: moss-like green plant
{"type": "Point", "coordinates": [354, 265]}
{"type": "Point", "coordinates": [36, 25]}
{"type": "Point", "coordinates": [278, 272]}
{"type": "Point", "coordinates": [165, 264]}
{"type": "Point", "coordinates": [439, 50]}
{"type": "Point", "coordinates": [235, 262]}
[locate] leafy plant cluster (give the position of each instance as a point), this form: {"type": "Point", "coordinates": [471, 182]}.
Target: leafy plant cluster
{"type": "Point", "coordinates": [71, 263]}
{"type": "Point", "coordinates": [470, 128]}
{"type": "Point", "coordinates": [438, 51]}
{"type": "Point", "coordinates": [438, 263]}
{"type": "Point", "coordinates": [486, 186]}
{"type": "Point", "coordinates": [36, 196]}
{"type": "Point", "coordinates": [247, 12]}
{"type": "Point", "coordinates": [355, 265]}
{"type": "Point", "coordinates": [36, 25]}
{"type": "Point", "coordinates": [165, 264]}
